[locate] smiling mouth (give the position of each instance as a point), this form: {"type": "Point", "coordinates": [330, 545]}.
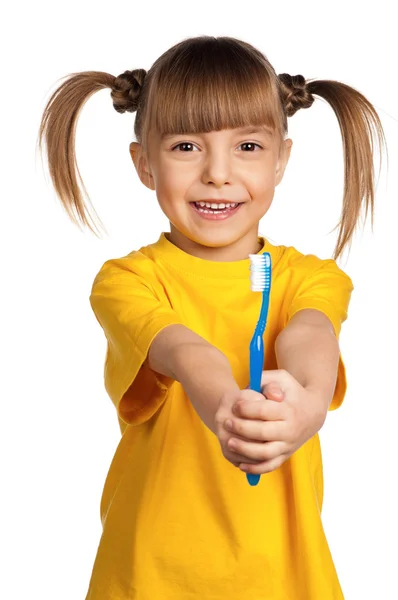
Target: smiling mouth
{"type": "Point", "coordinates": [215, 207]}
{"type": "Point", "coordinates": [216, 211]}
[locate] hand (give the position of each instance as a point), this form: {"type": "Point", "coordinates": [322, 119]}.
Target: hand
{"type": "Point", "coordinates": [268, 432]}
{"type": "Point", "coordinates": [224, 413]}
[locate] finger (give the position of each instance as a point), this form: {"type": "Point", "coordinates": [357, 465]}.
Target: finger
{"type": "Point", "coordinates": [273, 391]}
{"type": "Point", "coordinates": [266, 410]}
{"type": "Point", "coordinates": [264, 467]}
{"type": "Point", "coordinates": [248, 394]}
{"type": "Point", "coordinates": [256, 451]}
{"type": "Point", "coordinates": [236, 459]}
{"type": "Point", "coordinates": [256, 430]}
{"type": "Point", "coordinates": [280, 377]}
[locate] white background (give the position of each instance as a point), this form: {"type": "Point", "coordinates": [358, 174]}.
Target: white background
{"type": "Point", "coordinates": [58, 427]}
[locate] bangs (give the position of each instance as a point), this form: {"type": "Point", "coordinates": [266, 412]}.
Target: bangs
{"type": "Point", "coordinates": [214, 84]}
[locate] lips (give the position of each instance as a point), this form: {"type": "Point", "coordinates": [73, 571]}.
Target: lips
{"type": "Point", "coordinates": [219, 210]}
{"type": "Point", "coordinates": [216, 205]}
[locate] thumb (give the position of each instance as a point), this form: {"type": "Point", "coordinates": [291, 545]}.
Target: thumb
{"type": "Point", "coordinates": [272, 391]}
{"type": "Point", "coordinates": [273, 384]}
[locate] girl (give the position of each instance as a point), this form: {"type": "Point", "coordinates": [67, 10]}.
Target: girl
{"type": "Point", "coordinates": [179, 518]}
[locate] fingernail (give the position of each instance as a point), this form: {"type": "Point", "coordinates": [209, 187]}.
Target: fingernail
{"type": "Point", "coordinates": [232, 444]}
{"type": "Point", "coordinates": [243, 468]}
{"type": "Point", "coordinates": [228, 424]}
{"type": "Point", "coordinates": [275, 391]}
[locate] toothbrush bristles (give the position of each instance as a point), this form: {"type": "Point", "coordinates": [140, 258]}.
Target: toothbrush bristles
{"type": "Point", "coordinates": [260, 272]}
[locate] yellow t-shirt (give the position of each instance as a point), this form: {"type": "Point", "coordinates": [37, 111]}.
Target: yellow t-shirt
{"type": "Point", "coordinates": [179, 521]}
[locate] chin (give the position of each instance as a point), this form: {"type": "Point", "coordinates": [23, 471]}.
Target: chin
{"type": "Point", "coordinates": [215, 239]}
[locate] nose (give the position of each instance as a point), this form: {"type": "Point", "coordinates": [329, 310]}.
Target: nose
{"type": "Point", "coordinates": [217, 168]}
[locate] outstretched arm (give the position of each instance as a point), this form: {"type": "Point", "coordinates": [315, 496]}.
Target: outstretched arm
{"type": "Point", "coordinates": [206, 376]}
{"type": "Point", "coordinates": [202, 369]}
{"type": "Point", "coordinates": [309, 350]}
{"type": "Point", "coordinates": [307, 353]}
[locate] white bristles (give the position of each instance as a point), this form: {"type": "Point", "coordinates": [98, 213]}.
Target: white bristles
{"type": "Point", "coordinates": [259, 272]}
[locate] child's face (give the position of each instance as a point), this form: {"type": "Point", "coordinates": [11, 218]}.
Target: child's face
{"type": "Point", "coordinates": [231, 165]}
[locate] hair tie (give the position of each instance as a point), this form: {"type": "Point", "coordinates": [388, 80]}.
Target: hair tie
{"type": "Point", "coordinates": [126, 90]}
{"type": "Point", "coordinates": [295, 94]}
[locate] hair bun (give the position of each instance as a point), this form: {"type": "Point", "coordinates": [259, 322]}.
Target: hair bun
{"type": "Point", "coordinates": [295, 93]}
{"type": "Point", "coordinates": [126, 90]}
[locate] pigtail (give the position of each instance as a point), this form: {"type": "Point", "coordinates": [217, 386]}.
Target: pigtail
{"type": "Point", "coordinates": [360, 125]}
{"type": "Point", "coordinates": [58, 127]}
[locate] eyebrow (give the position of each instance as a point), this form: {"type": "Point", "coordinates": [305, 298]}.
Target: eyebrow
{"type": "Point", "coordinates": [241, 130]}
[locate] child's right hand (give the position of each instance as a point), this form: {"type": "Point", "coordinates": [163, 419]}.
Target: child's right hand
{"type": "Point", "coordinates": [223, 413]}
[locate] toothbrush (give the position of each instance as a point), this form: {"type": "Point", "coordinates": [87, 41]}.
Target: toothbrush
{"type": "Point", "coordinates": [260, 281]}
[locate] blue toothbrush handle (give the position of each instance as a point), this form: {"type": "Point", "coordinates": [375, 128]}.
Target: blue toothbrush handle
{"type": "Point", "coordinates": [256, 369]}
{"type": "Point", "coordinates": [252, 478]}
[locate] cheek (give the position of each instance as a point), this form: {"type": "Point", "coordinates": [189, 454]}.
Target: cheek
{"type": "Point", "coordinates": [263, 178]}
{"type": "Point", "coordinates": [172, 184]}
{"type": "Point", "coordinates": [262, 187]}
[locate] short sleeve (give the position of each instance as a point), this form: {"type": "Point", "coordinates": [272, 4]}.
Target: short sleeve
{"type": "Point", "coordinates": [327, 289]}
{"type": "Point", "coordinates": [131, 315]}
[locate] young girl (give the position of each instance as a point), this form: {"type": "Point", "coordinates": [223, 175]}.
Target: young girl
{"type": "Point", "coordinates": [179, 518]}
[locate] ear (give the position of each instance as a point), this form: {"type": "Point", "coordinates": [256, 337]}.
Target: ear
{"type": "Point", "coordinates": [141, 164]}
{"type": "Point", "coordinates": [284, 155]}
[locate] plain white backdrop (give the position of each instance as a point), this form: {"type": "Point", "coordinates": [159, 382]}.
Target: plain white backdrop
{"type": "Point", "coordinates": [58, 428]}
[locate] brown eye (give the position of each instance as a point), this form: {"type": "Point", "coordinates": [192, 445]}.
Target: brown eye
{"type": "Point", "coordinates": [185, 146]}
{"type": "Point", "coordinates": [250, 146]}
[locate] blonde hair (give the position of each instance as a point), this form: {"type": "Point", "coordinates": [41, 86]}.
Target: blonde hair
{"type": "Point", "coordinates": [207, 84]}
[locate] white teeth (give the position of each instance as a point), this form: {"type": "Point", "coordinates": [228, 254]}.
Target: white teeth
{"type": "Point", "coordinates": [216, 206]}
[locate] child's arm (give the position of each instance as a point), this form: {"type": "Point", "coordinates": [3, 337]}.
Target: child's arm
{"type": "Point", "coordinates": [307, 353]}
{"type": "Point", "coordinates": [202, 369]}
{"type": "Point", "coordinates": [206, 376]}
{"type": "Point", "coordinates": [309, 350]}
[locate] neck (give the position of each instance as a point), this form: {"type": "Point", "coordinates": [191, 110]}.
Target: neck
{"type": "Point", "coordinates": [237, 250]}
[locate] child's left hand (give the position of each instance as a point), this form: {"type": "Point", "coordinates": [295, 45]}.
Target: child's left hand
{"type": "Point", "coordinates": [273, 429]}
